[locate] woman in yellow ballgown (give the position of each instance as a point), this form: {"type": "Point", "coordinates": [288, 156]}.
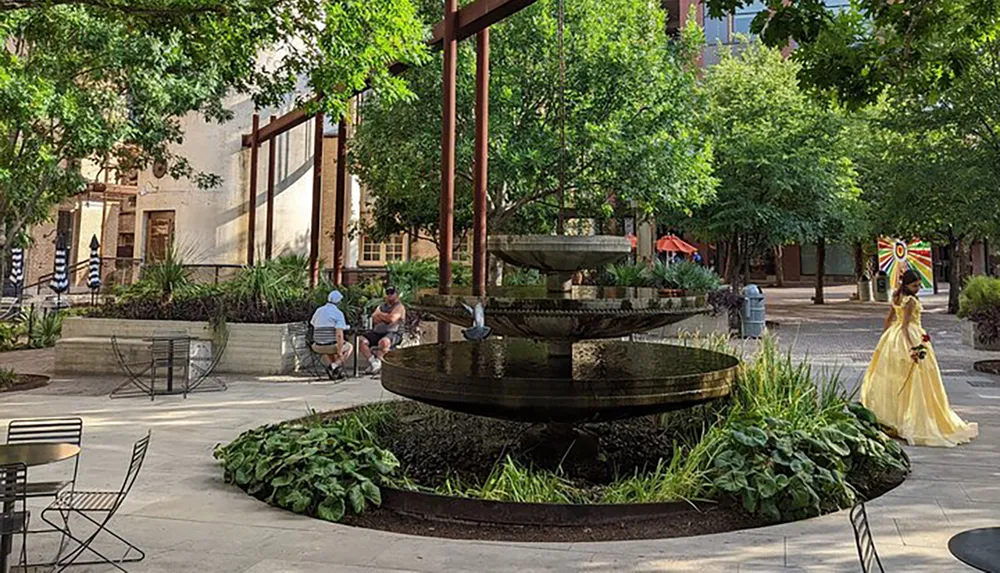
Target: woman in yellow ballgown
{"type": "Point", "coordinates": [903, 384]}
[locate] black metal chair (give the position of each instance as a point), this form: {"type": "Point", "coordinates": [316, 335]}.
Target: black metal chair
{"type": "Point", "coordinates": [870, 562]}
{"type": "Point", "coordinates": [48, 431]}
{"type": "Point", "coordinates": [14, 521]}
{"type": "Point", "coordinates": [308, 361]}
{"type": "Point", "coordinates": [135, 384]}
{"type": "Point", "coordinates": [203, 378]}
{"type": "Point", "coordinates": [102, 504]}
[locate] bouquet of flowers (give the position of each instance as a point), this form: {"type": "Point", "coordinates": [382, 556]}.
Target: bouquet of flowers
{"type": "Point", "coordinates": [920, 350]}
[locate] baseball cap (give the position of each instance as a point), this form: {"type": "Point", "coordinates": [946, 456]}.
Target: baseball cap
{"type": "Point", "coordinates": [334, 297]}
{"type": "Point", "coordinates": [389, 291]}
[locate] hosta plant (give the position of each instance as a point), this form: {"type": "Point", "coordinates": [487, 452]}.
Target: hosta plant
{"type": "Point", "coordinates": [313, 467]}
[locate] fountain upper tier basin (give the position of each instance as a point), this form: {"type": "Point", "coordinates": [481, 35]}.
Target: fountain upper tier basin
{"type": "Point", "coordinates": [585, 312]}
{"type": "Point", "coordinates": [517, 379]}
{"type": "Point", "coordinates": [559, 253]}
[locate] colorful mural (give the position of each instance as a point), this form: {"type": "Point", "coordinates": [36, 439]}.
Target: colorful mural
{"type": "Point", "coordinates": [895, 256]}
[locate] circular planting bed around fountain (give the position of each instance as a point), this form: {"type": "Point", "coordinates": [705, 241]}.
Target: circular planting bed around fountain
{"type": "Point", "coordinates": [25, 382]}
{"type": "Point", "coordinates": [556, 432]}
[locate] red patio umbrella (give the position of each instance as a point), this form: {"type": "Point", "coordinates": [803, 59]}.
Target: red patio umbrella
{"type": "Point", "coordinates": [673, 244]}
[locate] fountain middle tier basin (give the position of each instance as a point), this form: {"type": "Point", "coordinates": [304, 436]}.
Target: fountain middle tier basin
{"type": "Point", "coordinates": [559, 254]}
{"type": "Point", "coordinates": [581, 314]}
{"type": "Point", "coordinates": [517, 379]}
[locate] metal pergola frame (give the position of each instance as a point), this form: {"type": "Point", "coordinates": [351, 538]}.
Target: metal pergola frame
{"type": "Point", "coordinates": [474, 19]}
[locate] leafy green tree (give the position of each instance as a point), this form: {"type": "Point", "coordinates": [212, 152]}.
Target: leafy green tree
{"type": "Point", "coordinates": [104, 82]}
{"type": "Point", "coordinates": [874, 45]}
{"type": "Point", "coordinates": [629, 124]}
{"type": "Point", "coordinates": [784, 174]}
{"type": "Point", "coordinates": [931, 179]}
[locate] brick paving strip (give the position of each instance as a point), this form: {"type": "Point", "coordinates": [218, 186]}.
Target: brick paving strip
{"type": "Point", "coordinates": [187, 520]}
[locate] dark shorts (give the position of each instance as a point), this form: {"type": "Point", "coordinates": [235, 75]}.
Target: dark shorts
{"type": "Point", "coordinates": [373, 338]}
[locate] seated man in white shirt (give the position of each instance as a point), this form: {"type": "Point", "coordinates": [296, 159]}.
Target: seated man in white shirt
{"type": "Point", "coordinates": [329, 324]}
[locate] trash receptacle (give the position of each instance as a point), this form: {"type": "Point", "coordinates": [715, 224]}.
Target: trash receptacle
{"type": "Point", "coordinates": [865, 288]}
{"type": "Point", "coordinates": [753, 312]}
{"type": "Point", "coordinates": [882, 287]}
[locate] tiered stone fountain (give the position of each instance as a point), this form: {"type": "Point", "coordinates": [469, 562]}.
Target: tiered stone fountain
{"type": "Point", "coordinates": [558, 357]}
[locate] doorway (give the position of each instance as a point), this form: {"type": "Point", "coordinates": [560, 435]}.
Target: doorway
{"type": "Point", "coordinates": [159, 235]}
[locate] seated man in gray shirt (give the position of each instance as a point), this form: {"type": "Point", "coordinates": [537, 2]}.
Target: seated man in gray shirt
{"type": "Point", "coordinates": [387, 320]}
{"type": "Point", "coordinates": [329, 324]}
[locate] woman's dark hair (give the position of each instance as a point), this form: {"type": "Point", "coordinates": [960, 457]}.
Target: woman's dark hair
{"type": "Point", "coordinates": [909, 277]}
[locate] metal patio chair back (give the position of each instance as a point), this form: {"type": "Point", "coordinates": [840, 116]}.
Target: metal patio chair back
{"type": "Point", "coordinates": [135, 384]}
{"type": "Point", "coordinates": [104, 505]}
{"type": "Point", "coordinates": [14, 514]}
{"type": "Point", "coordinates": [870, 562]}
{"type": "Point", "coordinates": [202, 374]}
{"type": "Point", "coordinates": [302, 338]}
{"type": "Point", "coordinates": [48, 431]}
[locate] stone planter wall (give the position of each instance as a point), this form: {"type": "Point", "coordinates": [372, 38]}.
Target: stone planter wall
{"type": "Point", "coordinates": [970, 337]}
{"type": "Point", "coordinates": [703, 324]}
{"type": "Point", "coordinates": [85, 346]}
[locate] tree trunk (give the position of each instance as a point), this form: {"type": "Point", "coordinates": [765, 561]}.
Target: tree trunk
{"type": "Point", "coordinates": [730, 264]}
{"type": "Point", "coordinates": [820, 270]}
{"type": "Point", "coordinates": [745, 263]}
{"type": "Point", "coordinates": [957, 272]}
{"type": "Point", "coordinates": [779, 265]}
{"type": "Point", "coordinates": [494, 270]}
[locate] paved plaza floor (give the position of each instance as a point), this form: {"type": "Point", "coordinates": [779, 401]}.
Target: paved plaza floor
{"type": "Point", "coordinates": [187, 520]}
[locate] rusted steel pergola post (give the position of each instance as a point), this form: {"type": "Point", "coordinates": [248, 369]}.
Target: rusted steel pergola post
{"type": "Point", "coordinates": [316, 200]}
{"type": "Point", "coordinates": [447, 157]}
{"type": "Point", "coordinates": [480, 167]}
{"type": "Point", "coordinates": [341, 198]}
{"type": "Point", "coordinates": [269, 227]}
{"type": "Point", "coordinates": [252, 219]}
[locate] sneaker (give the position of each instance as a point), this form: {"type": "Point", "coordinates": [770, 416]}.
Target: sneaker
{"type": "Point", "coordinates": [375, 366]}
{"type": "Point", "coordinates": [335, 372]}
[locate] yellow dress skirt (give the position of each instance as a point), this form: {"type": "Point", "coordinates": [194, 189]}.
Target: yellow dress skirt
{"type": "Point", "coordinates": [908, 397]}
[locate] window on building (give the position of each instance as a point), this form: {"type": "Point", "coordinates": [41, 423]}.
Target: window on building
{"type": "Point", "coordinates": [462, 253]}
{"type": "Point", "coordinates": [379, 253]}
{"type": "Point", "coordinates": [744, 17]}
{"type": "Point", "coordinates": [717, 30]}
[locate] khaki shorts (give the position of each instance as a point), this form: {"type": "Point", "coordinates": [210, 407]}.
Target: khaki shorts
{"type": "Point", "coordinates": [329, 349]}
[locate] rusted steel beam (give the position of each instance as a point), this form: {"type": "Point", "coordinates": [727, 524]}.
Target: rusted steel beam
{"type": "Point", "coordinates": [269, 226]}
{"type": "Point", "coordinates": [472, 19]}
{"type": "Point", "coordinates": [445, 226]}
{"type": "Point", "coordinates": [480, 167]}
{"type": "Point", "coordinates": [317, 200]}
{"type": "Point", "coordinates": [252, 201]}
{"type": "Point", "coordinates": [341, 206]}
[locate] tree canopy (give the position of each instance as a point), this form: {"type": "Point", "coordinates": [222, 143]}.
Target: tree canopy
{"type": "Point", "coordinates": [630, 109]}
{"type": "Point", "coordinates": [861, 50]}
{"type": "Point", "coordinates": [104, 82]}
{"type": "Point", "coordinates": [784, 173]}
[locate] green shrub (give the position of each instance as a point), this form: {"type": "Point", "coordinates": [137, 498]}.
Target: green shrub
{"type": "Point", "coordinates": [793, 446]}
{"type": "Point", "coordinates": [45, 329]}
{"type": "Point", "coordinates": [683, 275]}
{"type": "Point", "coordinates": [314, 467]}
{"type": "Point", "coordinates": [10, 335]}
{"type": "Point", "coordinates": [626, 275]}
{"type": "Point", "coordinates": [160, 280]}
{"type": "Point", "coordinates": [980, 294]}
{"type": "Point", "coordinates": [7, 379]}
{"type": "Point", "coordinates": [516, 276]}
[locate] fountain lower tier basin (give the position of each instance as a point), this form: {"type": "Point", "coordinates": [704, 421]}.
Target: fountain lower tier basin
{"type": "Point", "coordinates": [559, 253]}
{"type": "Point", "coordinates": [517, 379]}
{"type": "Point", "coordinates": [585, 313]}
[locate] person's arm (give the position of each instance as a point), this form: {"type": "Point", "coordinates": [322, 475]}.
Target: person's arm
{"type": "Point", "coordinates": [397, 316]}
{"type": "Point", "coordinates": [378, 317]}
{"type": "Point", "coordinates": [907, 318]}
{"type": "Point", "coordinates": [889, 319]}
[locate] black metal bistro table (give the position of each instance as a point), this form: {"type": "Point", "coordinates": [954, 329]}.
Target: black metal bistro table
{"type": "Point", "coordinates": [978, 548]}
{"type": "Point", "coordinates": [166, 348]}
{"type": "Point", "coordinates": [30, 455]}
